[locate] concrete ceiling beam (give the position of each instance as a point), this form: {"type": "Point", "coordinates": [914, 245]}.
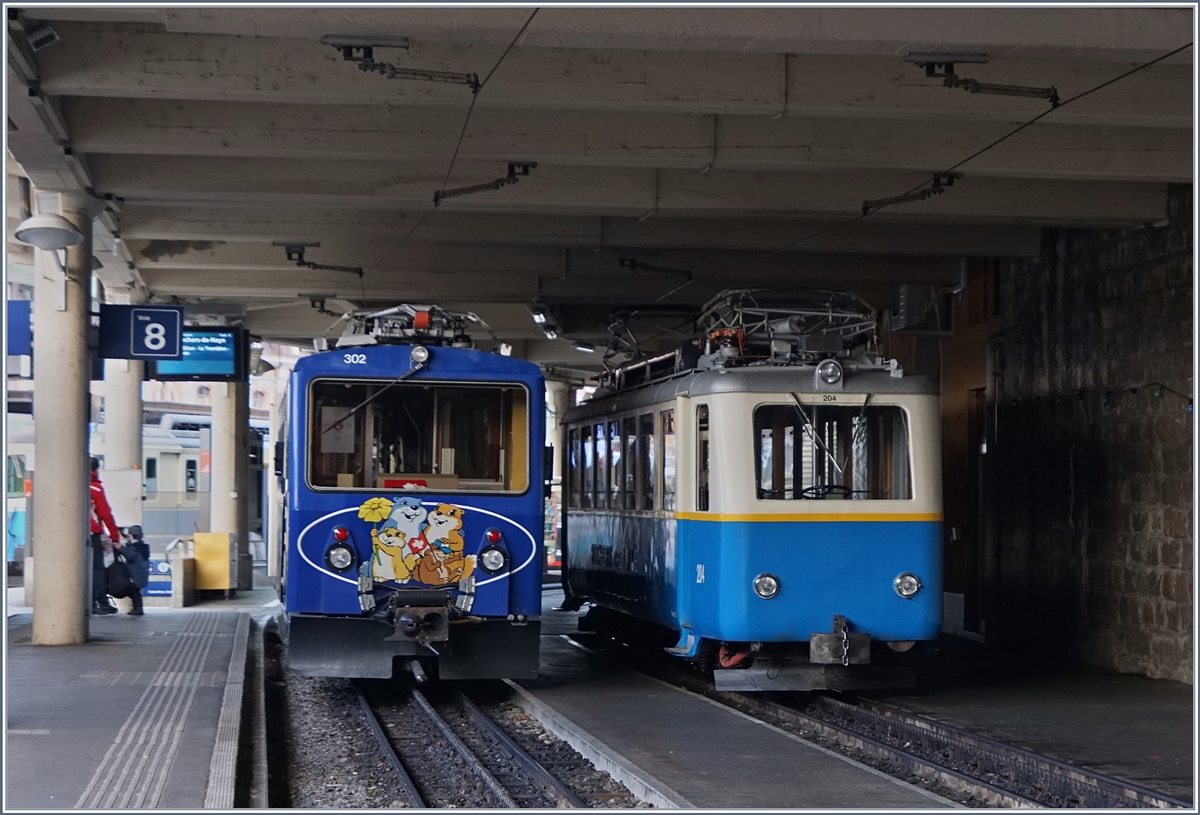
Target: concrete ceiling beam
{"type": "Point", "coordinates": [1097, 32]}
{"type": "Point", "coordinates": [376, 288]}
{"type": "Point", "coordinates": [379, 229]}
{"type": "Point", "coordinates": [624, 191]}
{"type": "Point", "coordinates": [131, 62]}
{"type": "Point", "coordinates": [631, 139]}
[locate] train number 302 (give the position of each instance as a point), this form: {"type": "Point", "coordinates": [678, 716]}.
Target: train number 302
{"type": "Point", "coordinates": [355, 359]}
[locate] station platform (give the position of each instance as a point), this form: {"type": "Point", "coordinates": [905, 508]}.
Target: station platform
{"type": "Point", "coordinates": [1128, 727]}
{"type": "Point", "coordinates": [138, 717]}
{"type": "Point", "coordinates": [699, 753]}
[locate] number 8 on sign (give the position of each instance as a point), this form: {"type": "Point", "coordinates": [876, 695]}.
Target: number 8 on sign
{"type": "Point", "coordinates": [156, 336]}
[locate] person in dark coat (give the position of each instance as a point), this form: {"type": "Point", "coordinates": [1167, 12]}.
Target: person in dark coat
{"type": "Point", "coordinates": [136, 554]}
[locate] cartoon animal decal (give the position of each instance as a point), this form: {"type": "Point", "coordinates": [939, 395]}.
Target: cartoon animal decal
{"type": "Point", "coordinates": [444, 562]}
{"type": "Point", "coordinates": [414, 544]}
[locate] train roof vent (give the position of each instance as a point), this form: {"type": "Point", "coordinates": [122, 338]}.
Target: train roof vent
{"type": "Point", "coordinates": [408, 325]}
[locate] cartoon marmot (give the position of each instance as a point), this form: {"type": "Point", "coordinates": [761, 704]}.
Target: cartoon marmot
{"type": "Point", "coordinates": [444, 562]}
{"type": "Point", "coordinates": [398, 543]}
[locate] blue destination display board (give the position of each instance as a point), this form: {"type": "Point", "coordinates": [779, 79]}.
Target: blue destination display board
{"type": "Point", "coordinates": [208, 355]}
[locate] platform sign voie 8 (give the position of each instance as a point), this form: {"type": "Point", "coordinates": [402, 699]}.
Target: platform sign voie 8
{"type": "Point", "coordinates": [141, 332]}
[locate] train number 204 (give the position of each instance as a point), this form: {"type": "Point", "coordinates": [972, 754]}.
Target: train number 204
{"type": "Point", "coordinates": [355, 359]}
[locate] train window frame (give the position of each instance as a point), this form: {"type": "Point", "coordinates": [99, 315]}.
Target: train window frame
{"type": "Point", "coordinates": [629, 436]}
{"type": "Point", "coordinates": [309, 415]}
{"type": "Point", "coordinates": [703, 456]}
{"type": "Point", "coordinates": [16, 473]}
{"type": "Point", "coordinates": [588, 483]}
{"type": "Point", "coordinates": [574, 468]}
{"type": "Point", "coordinates": [616, 464]}
{"type": "Point", "coordinates": [648, 491]}
{"type": "Point", "coordinates": [670, 498]}
{"type": "Point", "coordinates": [907, 479]}
{"type": "Point", "coordinates": [600, 433]}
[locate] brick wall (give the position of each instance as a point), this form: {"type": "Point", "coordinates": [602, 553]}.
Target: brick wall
{"type": "Point", "coordinates": [1094, 499]}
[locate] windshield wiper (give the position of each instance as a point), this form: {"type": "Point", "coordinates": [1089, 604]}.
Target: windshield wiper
{"type": "Point", "coordinates": [808, 428]}
{"type": "Point", "coordinates": [376, 395]}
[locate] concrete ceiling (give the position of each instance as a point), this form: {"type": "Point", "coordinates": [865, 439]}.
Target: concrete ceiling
{"type": "Point", "coordinates": [669, 142]}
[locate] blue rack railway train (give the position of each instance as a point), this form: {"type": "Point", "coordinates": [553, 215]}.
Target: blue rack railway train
{"type": "Point", "coordinates": [413, 503]}
{"type": "Point", "coordinates": [769, 495]}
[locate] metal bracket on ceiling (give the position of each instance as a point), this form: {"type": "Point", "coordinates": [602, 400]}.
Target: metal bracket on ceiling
{"type": "Point", "coordinates": [946, 62]}
{"type": "Point", "coordinates": [295, 252]}
{"type": "Point", "coordinates": [516, 169]}
{"type": "Point", "coordinates": [636, 265]}
{"type": "Point", "coordinates": [365, 46]}
{"type": "Point", "coordinates": [939, 184]}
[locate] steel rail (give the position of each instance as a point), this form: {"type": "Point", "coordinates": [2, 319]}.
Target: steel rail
{"type": "Point", "coordinates": [537, 773]}
{"type": "Point", "coordinates": [503, 798]}
{"type": "Point", "coordinates": [1092, 788]}
{"type": "Point", "coordinates": [389, 751]}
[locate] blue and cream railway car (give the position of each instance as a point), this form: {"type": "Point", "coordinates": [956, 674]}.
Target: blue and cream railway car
{"type": "Point", "coordinates": [774, 499]}
{"type": "Point", "coordinates": [413, 504]}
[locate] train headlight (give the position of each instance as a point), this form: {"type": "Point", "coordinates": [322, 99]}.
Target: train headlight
{"type": "Point", "coordinates": [492, 559]}
{"type": "Point", "coordinates": [829, 372]}
{"type": "Point", "coordinates": [766, 585]}
{"type": "Point", "coordinates": [907, 585]}
{"type": "Point", "coordinates": [340, 557]}
{"type": "Point", "coordinates": [419, 354]}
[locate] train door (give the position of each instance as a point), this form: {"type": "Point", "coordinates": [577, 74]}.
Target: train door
{"type": "Point", "coordinates": [697, 498]}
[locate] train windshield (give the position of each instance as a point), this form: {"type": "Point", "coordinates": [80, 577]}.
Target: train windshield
{"type": "Point", "coordinates": [402, 436]}
{"type": "Point", "coordinates": [832, 452]}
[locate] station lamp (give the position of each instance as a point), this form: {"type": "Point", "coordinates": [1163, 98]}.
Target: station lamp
{"type": "Point", "coordinates": [48, 231]}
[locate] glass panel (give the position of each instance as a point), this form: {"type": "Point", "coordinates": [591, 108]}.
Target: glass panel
{"type": "Point", "coordinates": [702, 458]}
{"type": "Point", "coordinates": [601, 465]}
{"type": "Point", "coordinates": [16, 476]}
{"type": "Point", "coordinates": [384, 435]}
{"type": "Point", "coordinates": [574, 467]}
{"type": "Point", "coordinates": [649, 482]}
{"type": "Point", "coordinates": [631, 460]}
{"type": "Point", "coordinates": [845, 453]}
{"type": "Point", "coordinates": [668, 425]}
{"type": "Point", "coordinates": [616, 464]}
{"type": "Point", "coordinates": [589, 466]}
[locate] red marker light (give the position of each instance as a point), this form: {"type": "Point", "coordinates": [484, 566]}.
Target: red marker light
{"type": "Point", "coordinates": [493, 535]}
{"type": "Point", "coordinates": [341, 533]}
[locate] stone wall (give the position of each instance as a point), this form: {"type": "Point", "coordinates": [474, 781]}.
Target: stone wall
{"type": "Point", "coordinates": [1094, 469]}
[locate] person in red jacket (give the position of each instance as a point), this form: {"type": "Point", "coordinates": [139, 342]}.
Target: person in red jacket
{"type": "Point", "coordinates": [101, 518]}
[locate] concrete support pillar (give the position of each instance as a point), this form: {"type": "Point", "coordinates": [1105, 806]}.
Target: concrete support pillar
{"type": "Point", "coordinates": [230, 467]}
{"type": "Point", "coordinates": [560, 399]}
{"type": "Point", "coordinates": [62, 590]}
{"type": "Point", "coordinates": [123, 405]}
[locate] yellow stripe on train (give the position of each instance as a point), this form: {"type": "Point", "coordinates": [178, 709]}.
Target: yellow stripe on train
{"type": "Point", "coordinates": [811, 516]}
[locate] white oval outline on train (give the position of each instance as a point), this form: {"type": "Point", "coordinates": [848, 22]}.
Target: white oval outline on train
{"type": "Point", "coordinates": [532, 551]}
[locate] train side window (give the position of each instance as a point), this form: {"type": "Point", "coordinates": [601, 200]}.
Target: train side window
{"type": "Point", "coordinates": [648, 481]}
{"type": "Point", "coordinates": [589, 466]}
{"type": "Point", "coordinates": [631, 462]}
{"type": "Point", "coordinates": [191, 476]}
{"type": "Point", "coordinates": [668, 458]}
{"type": "Point", "coordinates": [702, 458]}
{"type": "Point", "coordinates": [601, 465]}
{"type": "Point", "coordinates": [616, 464]}
{"type": "Point", "coordinates": [151, 475]}
{"type": "Point", "coordinates": [573, 474]}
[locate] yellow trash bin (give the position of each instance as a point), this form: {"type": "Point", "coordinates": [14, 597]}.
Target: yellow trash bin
{"type": "Point", "coordinates": [216, 563]}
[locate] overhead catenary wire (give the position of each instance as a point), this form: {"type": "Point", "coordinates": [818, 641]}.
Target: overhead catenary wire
{"type": "Point", "coordinates": [458, 145]}
{"type": "Point", "coordinates": [932, 180]}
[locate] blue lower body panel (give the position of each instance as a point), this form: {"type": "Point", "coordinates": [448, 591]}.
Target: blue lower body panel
{"type": "Point", "coordinates": [824, 568]}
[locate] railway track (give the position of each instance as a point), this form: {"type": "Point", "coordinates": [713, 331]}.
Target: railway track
{"type": "Point", "coordinates": [446, 752]}
{"type": "Point", "coordinates": [988, 771]}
